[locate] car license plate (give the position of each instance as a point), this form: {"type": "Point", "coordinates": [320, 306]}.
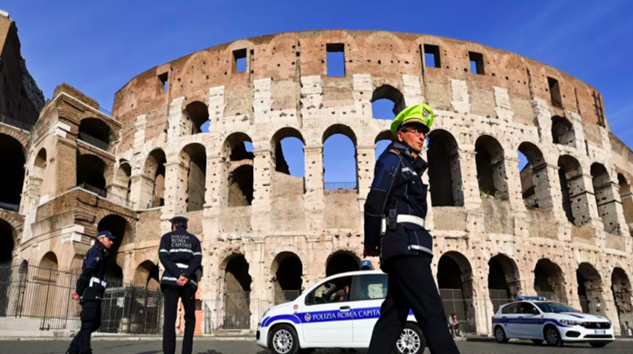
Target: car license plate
{"type": "Point", "coordinates": [600, 332]}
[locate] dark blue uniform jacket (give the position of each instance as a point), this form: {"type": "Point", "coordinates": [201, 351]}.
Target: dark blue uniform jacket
{"type": "Point", "coordinates": [91, 284]}
{"type": "Point", "coordinates": [181, 254]}
{"type": "Point", "coordinates": [397, 184]}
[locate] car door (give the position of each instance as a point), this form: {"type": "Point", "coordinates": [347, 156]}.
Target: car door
{"type": "Point", "coordinates": [509, 319]}
{"type": "Point", "coordinates": [369, 291]}
{"type": "Point", "coordinates": [528, 324]}
{"type": "Point", "coordinates": [327, 314]}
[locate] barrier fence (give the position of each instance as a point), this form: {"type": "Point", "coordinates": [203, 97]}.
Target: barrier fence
{"type": "Point", "coordinates": [42, 295]}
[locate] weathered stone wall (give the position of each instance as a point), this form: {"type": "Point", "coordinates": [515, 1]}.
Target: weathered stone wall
{"type": "Point", "coordinates": [285, 92]}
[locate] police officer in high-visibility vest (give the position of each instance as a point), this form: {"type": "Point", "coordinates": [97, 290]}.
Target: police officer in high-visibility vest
{"type": "Point", "coordinates": [89, 292]}
{"type": "Point", "coordinates": [181, 255]}
{"type": "Point", "coordinates": [394, 230]}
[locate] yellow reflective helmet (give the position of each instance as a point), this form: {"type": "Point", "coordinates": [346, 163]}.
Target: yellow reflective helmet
{"type": "Point", "coordinates": [419, 113]}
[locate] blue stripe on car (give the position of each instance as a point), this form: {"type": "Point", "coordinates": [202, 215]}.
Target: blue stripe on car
{"type": "Point", "coordinates": [534, 321]}
{"type": "Point", "coordinates": [328, 316]}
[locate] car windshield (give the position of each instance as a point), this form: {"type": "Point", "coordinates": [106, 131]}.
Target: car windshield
{"type": "Point", "coordinates": [554, 307]}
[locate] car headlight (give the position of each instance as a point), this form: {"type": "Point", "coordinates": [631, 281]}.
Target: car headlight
{"type": "Point", "coordinates": [570, 322]}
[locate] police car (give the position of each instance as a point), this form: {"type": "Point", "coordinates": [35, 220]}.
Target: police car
{"type": "Point", "coordinates": [535, 318]}
{"type": "Point", "coordinates": [338, 312]}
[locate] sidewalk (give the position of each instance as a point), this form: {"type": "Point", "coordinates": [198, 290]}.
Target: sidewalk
{"type": "Point", "coordinates": [67, 335]}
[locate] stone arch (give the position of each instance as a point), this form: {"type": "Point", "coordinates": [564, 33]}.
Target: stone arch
{"type": "Point", "coordinates": [330, 156]}
{"type": "Point", "coordinates": [382, 141]}
{"type": "Point", "coordinates": [574, 193]}
{"type": "Point", "coordinates": [124, 233]}
{"type": "Point", "coordinates": [194, 159]}
{"type": "Point", "coordinates": [40, 163]}
{"type": "Point", "coordinates": [535, 181]}
{"type": "Point", "coordinates": [48, 263]}
{"type": "Point", "coordinates": [234, 147]}
{"type": "Point", "coordinates": [122, 180]}
{"type": "Point", "coordinates": [8, 241]}
{"type": "Point", "coordinates": [238, 170]}
{"type": "Point", "coordinates": [563, 131]}
{"type": "Point", "coordinates": [504, 280]}
{"type": "Point", "coordinates": [445, 174]}
{"type": "Point", "coordinates": [95, 132]}
{"type": "Point", "coordinates": [341, 262]}
{"type": "Point", "coordinates": [277, 152]}
{"type": "Point", "coordinates": [455, 283]}
{"type": "Point", "coordinates": [237, 288]}
{"type": "Point", "coordinates": [287, 272]}
{"type": "Point", "coordinates": [589, 288]}
{"type": "Point", "coordinates": [626, 197]}
{"type": "Point", "coordinates": [196, 115]}
{"type": "Point", "coordinates": [146, 275]}
{"type": "Point", "coordinates": [154, 176]}
{"type": "Point", "coordinates": [491, 170]}
{"type": "Point", "coordinates": [12, 160]}
{"type": "Point", "coordinates": [390, 93]}
{"type": "Point", "coordinates": [605, 198]}
{"type": "Point", "coordinates": [549, 280]}
{"type": "Point", "coordinates": [91, 170]}
{"type": "Point", "coordinates": [621, 290]}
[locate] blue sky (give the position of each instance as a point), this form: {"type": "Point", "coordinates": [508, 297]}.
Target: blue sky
{"type": "Point", "coordinates": [98, 46]}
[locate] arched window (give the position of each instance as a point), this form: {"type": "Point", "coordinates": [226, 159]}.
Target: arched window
{"type": "Point", "coordinates": [534, 177]}
{"type": "Point", "coordinates": [122, 230]}
{"type": "Point", "coordinates": [383, 140]}
{"type": "Point", "coordinates": [123, 181]}
{"type": "Point", "coordinates": [605, 198]}
{"type": "Point", "coordinates": [445, 173]}
{"type": "Point", "coordinates": [197, 117]}
{"type": "Point", "coordinates": [238, 149]}
{"type": "Point", "coordinates": [386, 102]}
{"type": "Point", "coordinates": [289, 160]}
{"type": "Point", "coordinates": [7, 242]}
{"type": "Point", "coordinates": [504, 281]}
{"type": "Point", "coordinates": [573, 190]}
{"type": "Point", "coordinates": [589, 289]}
{"type": "Point", "coordinates": [563, 131]}
{"type": "Point", "coordinates": [91, 174]}
{"type": "Point", "coordinates": [455, 283]}
{"type": "Point", "coordinates": [12, 179]}
{"type": "Point", "coordinates": [341, 262]}
{"type": "Point", "coordinates": [491, 170]}
{"type": "Point", "coordinates": [237, 291]}
{"type": "Point", "coordinates": [339, 158]}
{"type": "Point", "coordinates": [549, 281]}
{"type": "Point", "coordinates": [626, 196]}
{"type": "Point", "coordinates": [95, 132]}
{"type": "Point", "coordinates": [153, 194]}
{"type": "Point", "coordinates": [194, 159]}
{"type": "Point", "coordinates": [287, 271]}
{"type": "Point", "coordinates": [621, 289]}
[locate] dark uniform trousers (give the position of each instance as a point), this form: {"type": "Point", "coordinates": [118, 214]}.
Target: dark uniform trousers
{"type": "Point", "coordinates": [90, 322]}
{"type": "Point", "coordinates": [411, 286]}
{"type": "Point", "coordinates": [171, 294]}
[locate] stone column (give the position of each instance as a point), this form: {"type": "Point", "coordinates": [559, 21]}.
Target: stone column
{"type": "Point", "coordinates": [366, 161]}
{"type": "Point", "coordinates": [472, 198]}
{"type": "Point", "coordinates": [142, 191]}
{"type": "Point", "coordinates": [314, 200]}
{"type": "Point", "coordinates": [175, 189]}
{"type": "Point", "coordinates": [177, 125]}
{"type": "Point", "coordinates": [262, 183]}
{"type": "Point", "coordinates": [513, 182]}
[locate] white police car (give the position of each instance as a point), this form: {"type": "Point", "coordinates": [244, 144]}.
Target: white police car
{"type": "Point", "coordinates": [532, 317]}
{"type": "Point", "coordinates": [338, 312]}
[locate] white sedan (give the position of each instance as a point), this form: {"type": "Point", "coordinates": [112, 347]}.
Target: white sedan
{"type": "Point", "coordinates": [338, 312]}
{"type": "Point", "coordinates": [552, 322]}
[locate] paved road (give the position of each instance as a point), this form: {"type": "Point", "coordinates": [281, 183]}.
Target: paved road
{"type": "Point", "coordinates": [226, 347]}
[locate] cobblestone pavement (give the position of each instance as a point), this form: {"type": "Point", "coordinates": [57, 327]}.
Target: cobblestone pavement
{"type": "Point", "coordinates": [245, 347]}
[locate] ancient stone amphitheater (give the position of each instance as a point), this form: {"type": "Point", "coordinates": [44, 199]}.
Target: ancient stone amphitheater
{"type": "Point", "coordinates": [559, 227]}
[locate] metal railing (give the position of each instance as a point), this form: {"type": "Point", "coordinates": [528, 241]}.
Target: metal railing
{"type": "Point", "coordinates": [15, 123]}
{"type": "Point", "coordinates": [43, 295]}
{"type": "Point", "coordinates": [103, 145]}
{"type": "Point", "coordinates": [331, 186]}
{"type": "Point", "coordinates": [89, 187]}
{"type": "Point", "coordinates": [9, 206]}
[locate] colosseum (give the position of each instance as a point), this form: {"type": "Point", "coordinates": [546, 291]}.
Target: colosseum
{"type": "Point", "coordinates": [201, 136]}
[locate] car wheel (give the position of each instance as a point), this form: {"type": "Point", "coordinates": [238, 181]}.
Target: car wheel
{"type": "Point", "coordinates": [552, 336]}
{"type": "Point", "coordinates": [500, 335]}
{"type": "Point", "coordinates": [283, 340]}
{"type": "Point", "coordinates": [537, 341]}
{"type": "Point", "coordinates": [598, 344]}
{"type": "Point", "coordinates": [411, 340]}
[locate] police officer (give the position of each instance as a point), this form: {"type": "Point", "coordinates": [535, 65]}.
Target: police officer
{"type": "Point", "coordinates": [181, 255]}
{"type": "Point", "coordinates": [394, 230]}
{"type": "Point", "coordinates": [89, 292]}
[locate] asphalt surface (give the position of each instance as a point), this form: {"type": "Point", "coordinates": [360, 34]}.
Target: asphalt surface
{"type": "Point", "coordinates": [246, 347]}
